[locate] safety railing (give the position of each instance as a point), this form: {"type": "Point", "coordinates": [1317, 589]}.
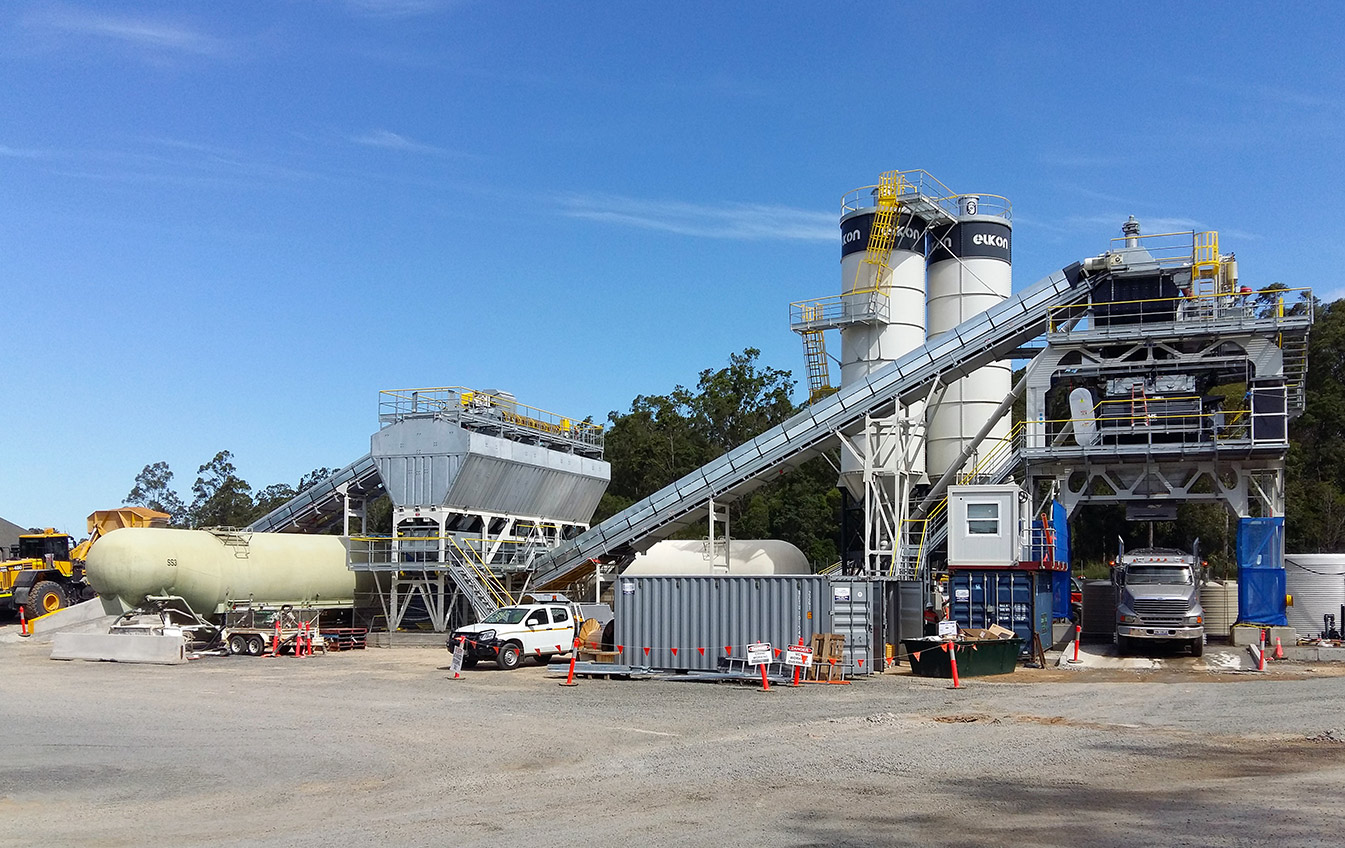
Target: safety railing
{"type": "Point", "coordinates": [460, 403]}
{"type": "Point", "coordinates": [460, 557]}
{"type": "Point", "coordinates": [1169, 250]}
{"type": "Point", "coordinates": [839, 310]}
{"type": "Point", "coordinates": [1265, 309]}
{"type": "Point", "coordinates": [919, 188]}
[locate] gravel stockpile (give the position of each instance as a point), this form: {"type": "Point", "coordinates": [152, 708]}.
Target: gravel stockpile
{"type": "Point", "coordinates": [379, 747]}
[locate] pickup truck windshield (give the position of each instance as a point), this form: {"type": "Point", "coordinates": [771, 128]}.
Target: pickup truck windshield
{"type": "Point", "coordinates": [1168, 575]}
{"type": "Point", "coordinates": [505, 615]}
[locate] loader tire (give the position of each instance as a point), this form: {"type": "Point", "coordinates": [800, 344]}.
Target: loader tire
{"type": "Point", "coordinates": [45, 597]}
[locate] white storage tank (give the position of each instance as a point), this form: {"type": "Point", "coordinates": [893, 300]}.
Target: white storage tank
{"type": "Point", "coordinates": [970, 270]}
{"type": "Point", "coordinates": [206, 570]}
{"type": "Point", "coordinates": [1316, 582]}
{"type": "Point", "coordinates": [900, 328]}
{"type": "Point", "coordinates": [747, 558]}
{"type": "Point", "coordinates": [1219, 598]}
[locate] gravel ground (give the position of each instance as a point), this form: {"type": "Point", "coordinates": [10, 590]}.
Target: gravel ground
{"type": "Point", "coordinates": [379, 747]}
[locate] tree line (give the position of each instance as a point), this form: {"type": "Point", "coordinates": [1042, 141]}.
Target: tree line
{"type": "Point", "coordinates": [220, 498]}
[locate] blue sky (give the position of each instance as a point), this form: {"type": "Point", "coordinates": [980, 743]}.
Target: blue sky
{"type": "Point", "coordinates": [228, 226]}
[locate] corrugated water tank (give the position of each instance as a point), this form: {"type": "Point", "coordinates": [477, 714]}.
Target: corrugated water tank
{"type": "Point", "coordinates": [1317, 584]}
{"type": "Point", "coordinates": [1220, 600]}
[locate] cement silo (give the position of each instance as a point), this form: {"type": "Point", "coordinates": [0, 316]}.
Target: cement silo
{"type": "Point", "coordinates": [970, 271]}
{"type": "Point", "coordinates": [885, 299]}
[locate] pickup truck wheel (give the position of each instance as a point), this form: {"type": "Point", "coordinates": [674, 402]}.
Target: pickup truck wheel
{"type": "Point", "coordinates": [44, 598]}
{"type": "Point", "coordinates": [544, 659]}
{"type": "Point", "coordinates": [1198, 646]}
{"type": "Point", "coordinates": [256, 645]}
{"type": "Point", "coordinates": [238, 644]}
{"type": "Point", "coordinates": [1122, 645]}
{"type": "Point", "coordinates": [509, 658]}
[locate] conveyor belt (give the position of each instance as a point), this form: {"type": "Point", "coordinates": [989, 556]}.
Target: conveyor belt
{"type": "Point", "coordinates": [949, 356]}
{"type": "Point", "coordinates": [320, 506]}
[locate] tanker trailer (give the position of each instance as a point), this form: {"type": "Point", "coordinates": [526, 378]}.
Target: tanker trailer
{"type": "Point", "coordinates": [207, 569]}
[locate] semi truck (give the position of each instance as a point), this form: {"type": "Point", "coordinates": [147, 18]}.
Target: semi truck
{"type": "Point", "coordinates": [1158, 599]}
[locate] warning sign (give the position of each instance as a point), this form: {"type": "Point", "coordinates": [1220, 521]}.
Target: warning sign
{"type": "Point", "coordinates": [455, 664]}
{"type": "Point", "coordinates": [799, 655]}
{"type": "Point", "coordinates": [759, 653]}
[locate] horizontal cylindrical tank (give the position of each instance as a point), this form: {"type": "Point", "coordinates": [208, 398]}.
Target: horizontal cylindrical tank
{"type": "Point", "coordinates": [970, 271]}
{"type": "Point", "coordinates": [1316, 582]}
{"type": "Point", "coordinates": [200, 567]}
{"type": "Point", "coordinates": [751, 557]}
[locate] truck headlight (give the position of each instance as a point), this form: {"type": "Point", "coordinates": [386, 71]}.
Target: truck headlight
{"type": "Point", "coordinates": [1193, 619]}
{"type": "Point", "coordinates": [1130, 619]}
{"type": "Point", "coordinates": [486, 635]}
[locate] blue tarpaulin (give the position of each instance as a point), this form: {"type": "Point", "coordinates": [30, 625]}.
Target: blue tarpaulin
{"type": "Point", "coordinates": [1060, 594]}
{"type": "Point", "coordinates": [1261, 580]}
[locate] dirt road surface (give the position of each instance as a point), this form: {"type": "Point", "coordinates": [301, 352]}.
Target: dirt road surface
{"type": "Point", "coordinates": [380, 747]}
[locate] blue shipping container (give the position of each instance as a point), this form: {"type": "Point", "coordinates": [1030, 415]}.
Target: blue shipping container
{"type": "Point", "coordinates": [1018, 600]}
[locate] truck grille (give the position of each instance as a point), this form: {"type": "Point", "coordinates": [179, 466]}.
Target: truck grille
{"type": "Point", "coordinates": [1155, 611]}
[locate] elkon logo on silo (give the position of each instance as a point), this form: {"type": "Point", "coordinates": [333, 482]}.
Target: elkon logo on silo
{"type": "Point", "coordinates": [1002, 242]}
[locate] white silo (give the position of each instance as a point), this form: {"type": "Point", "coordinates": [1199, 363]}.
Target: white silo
{"type": "Point", "coordinates": [970, 270]}
{"type": "Point", "coordinates": [884, 306]}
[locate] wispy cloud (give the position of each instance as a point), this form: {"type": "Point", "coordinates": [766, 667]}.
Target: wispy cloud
{"type": "Point", "coordinates": [389, 140]}
{"type": "Point", "coordinates": [745, 221]}
{"type": "Point", "coordinates": [22, 153]}
{"type": "Point", "coordinates": [142, 32]}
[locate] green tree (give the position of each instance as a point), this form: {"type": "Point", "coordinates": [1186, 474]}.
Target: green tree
{"type": "Point", "coordinates": [221, 497]}
{"type": "Point", "coordinates": [153, 489]}
{"type": "Point", "coordinates": [664, 437]}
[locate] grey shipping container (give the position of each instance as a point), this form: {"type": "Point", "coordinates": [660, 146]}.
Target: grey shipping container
{"type": "Point", "coordinates": [686, 623]}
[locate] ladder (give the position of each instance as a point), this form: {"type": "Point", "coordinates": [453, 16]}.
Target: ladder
{"type": "Point", "coordinates": [1294, 349]}
{"type": "Point", "coordinates": [815, 354]}
{"type": "Point", "coordinates": [1205, 263]}
{"type": "Point", "coordinates": [1139, 406]}
{"type": "Point", "coordinates": [882, 234]}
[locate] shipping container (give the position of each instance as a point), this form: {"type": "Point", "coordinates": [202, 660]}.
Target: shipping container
{"type": "Point", "coordinates": [692, 623]}
{"type": "Point", "coordinates": [1018, 600]}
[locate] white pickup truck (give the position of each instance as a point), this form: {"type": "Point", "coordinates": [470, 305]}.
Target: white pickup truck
{"type": "Point", "coordinates": [540, 630]}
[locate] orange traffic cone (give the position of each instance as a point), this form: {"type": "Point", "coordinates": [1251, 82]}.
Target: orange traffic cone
{"type": "Point", "coordinates": [1279, 649]}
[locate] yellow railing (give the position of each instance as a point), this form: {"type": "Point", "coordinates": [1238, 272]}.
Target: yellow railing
{"type": "Point", "coordinates": [467, 554]}
{"type": "Point", "coordinates": [882, 233]}
{"type": "Point", "coordinates": [498, 594]}
{"type": "Point", "coordinates": [399, 402]}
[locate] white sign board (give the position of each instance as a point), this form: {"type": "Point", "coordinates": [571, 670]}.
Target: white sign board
{"type": "Point", "coordinates": [627, 588]}
{"type": "Point", "coordinates": [841, 593]}
{"type": "Point", "coordinates": [455, 664]}
{"type": "Point", "coordinates": [947, 629]}
{"type": "Point", "coordinates": [799, 655]}
{"type": "Point", "coordinates": [759, 653]}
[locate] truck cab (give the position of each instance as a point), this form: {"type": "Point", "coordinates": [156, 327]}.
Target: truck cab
{"type": "Point", "coordinates": [540, 630]}
{"type": "Point", "coordinates": [1158, 599]}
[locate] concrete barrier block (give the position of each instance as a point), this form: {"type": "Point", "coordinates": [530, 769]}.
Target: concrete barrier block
{"type": "Point", "coordinates": [110, 647]}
